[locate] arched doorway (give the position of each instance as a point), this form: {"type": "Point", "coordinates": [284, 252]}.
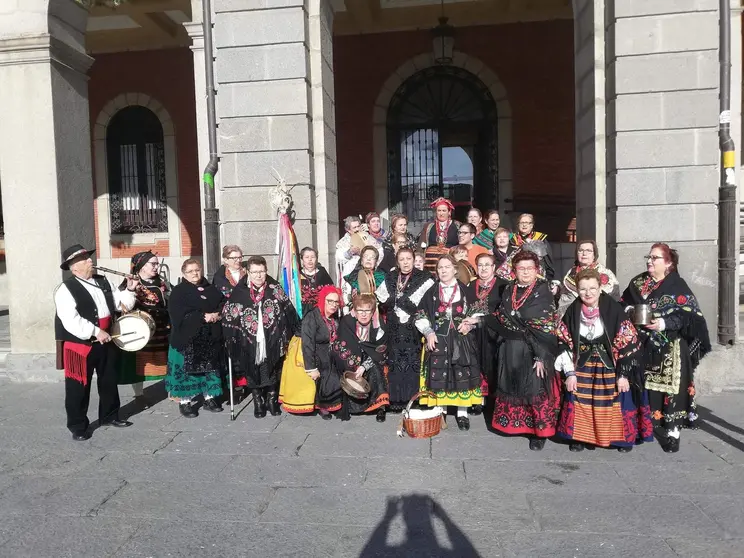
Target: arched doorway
{"type": "Point", "coordinates": [442, 140]}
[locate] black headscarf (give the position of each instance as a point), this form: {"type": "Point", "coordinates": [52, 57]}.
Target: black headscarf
{"type": "Point", "coordinates": [139, 260]}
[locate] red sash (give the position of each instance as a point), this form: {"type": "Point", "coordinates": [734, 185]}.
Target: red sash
{"type": "Point", "coordinates": [76, 356]}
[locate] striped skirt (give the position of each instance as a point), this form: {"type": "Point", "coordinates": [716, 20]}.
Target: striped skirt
{"type": "Point", "coordinates": [598, 414]}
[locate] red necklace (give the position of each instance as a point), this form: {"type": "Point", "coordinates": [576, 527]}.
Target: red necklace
{"type": "Point", "coordinates": [331, 325]}
{"type": "Point", "coordinates": [486, 289]}
{"type": "Point", "coordinates": [451, 298]}
{"type": "Point", "coordinates": [647, 288]}
{"type": "Point", "coordinates": [517, 303]}
{"type": "Point", "coordinates": [257, 297]}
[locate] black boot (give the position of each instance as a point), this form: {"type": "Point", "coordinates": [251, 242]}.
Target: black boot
{"type": "Point", "coordinates": [625, 449]}
{"type": "Point", "coordinates": [272, 400]}
{"type": "Point", "coordinates": [259, 404]}
{"type": "Point", "coordinates": [670, 445]}
{"type": "Point", "coordinates": [576, 446]}
{"type": "Point", "coordinates": [212, 405]}
{"type": "Point", "coordinates": [381, 414]}
{"type": "Point", "coordinates": [187, 410]}
{"type": "Point", "coordinates": [537, 444]}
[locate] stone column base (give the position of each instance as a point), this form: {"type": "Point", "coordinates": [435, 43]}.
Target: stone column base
{"type": "Point", "coordinates": [33, 367]}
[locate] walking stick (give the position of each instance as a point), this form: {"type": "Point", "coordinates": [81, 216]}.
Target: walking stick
{"type": "Point", "coordinates": [232, 390]}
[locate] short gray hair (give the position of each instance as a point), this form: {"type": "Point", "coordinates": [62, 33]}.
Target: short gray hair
{"type": "Point", "coordinates": [351, 219]}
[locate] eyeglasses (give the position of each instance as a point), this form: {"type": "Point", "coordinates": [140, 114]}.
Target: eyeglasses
{"type": "Point", "coordinates": [192, 271]}
{"type": "Point", "coordinates": [531, 268]}
{"type": "Point", "coordinates": [652, 258]}
{"type": "Point", "coordinates": [234, 258]}
{"type": "Point", "coordinates": [332, 301]}
{"type": "Point", "coordinates": [464, 232]}
{"type": "Point", "coordinates": [258, 273]}
{"type": "Point", "coordinates": [360, 311]}
{"type": "Point", "coordinates": [153, 264]}
{"type": "Point", "coordinates": [590, 290]}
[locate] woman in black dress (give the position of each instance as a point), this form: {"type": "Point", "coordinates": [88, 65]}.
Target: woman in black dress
{"type": "Point", "coordinates": [313, 277]}
{"type": "Point", "coordinates": [319, 330]}
{"type": "Point", "coordinates": [407, 286]}
{"type": "Point", "coordinates": [673, 343]}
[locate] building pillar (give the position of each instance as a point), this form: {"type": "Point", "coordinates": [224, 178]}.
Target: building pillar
{"type": "Point", "coordinates": [45, 166]}
{"type": "Point", "coordinates": [273, 69]}
{"type": "Point", "coordinates": [195, 29]}
{"type": "Point", "coordinates": [647, 141]}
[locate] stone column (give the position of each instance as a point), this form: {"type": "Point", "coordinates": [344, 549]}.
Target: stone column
{"type": "Point", "coordinates": [45, 165]}
{"type": "Point", "coordinates": [589, 77]}
{"type": "Point", "coordinates": [195, 29]}
{"type": "Point", "coordinates": [275, 111]}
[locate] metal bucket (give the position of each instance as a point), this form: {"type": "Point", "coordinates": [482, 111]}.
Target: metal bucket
{"type": "Point", "coordinates": [642, 314]}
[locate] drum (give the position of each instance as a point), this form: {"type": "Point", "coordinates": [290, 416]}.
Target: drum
{"type": "Point", "coordinates": [356, 388]}
{"type": "Point", "coordinates": [366, 281]}
{"type": "Point", "coordinates": [360, 240]}
{"type": "Point", "coordinates": [132, 331]}
{"type": "Point", "coordinates": [465, 272]}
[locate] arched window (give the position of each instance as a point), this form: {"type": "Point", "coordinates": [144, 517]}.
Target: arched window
{"type": "Point", "coordinates": [136, 172]}
{"type": "Point", "coordinates": [442, 141]}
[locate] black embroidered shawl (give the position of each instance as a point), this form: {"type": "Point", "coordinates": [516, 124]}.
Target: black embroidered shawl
{"type": "Point", "coordinates": [224, 281]}
{"type": "Point", "coordinates": [311, 285]}
{"type": "Point", "coordinates": [240, 324]}
{"type": "Point", "coordinates": [349, 352]}
{"type": "Point", "coordinates": [675, 302]}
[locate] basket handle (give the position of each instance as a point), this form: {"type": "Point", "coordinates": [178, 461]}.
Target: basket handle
{"type": "Point", "coordinates": [420, 394]}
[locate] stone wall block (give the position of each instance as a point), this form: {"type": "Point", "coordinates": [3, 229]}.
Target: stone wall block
{"type": "Point", "coordinates": [667, 33]}
{"type": "Point", "coordinates": [254, 169]}
{"type": "Point", "coordinates": [651, 149]}
{"type": "Point", "coordinates": [290, 132]}
{"type": "Point", "coordinates": [263, 133]}
{"type": "Point", "coordinates": [260, 28]}
{"type": "Point", "coordinates": [222, 6]}
{"type": "Point", "coordinates": [259, 63]}
{"type": "Point", "coordinates": [665, 72]}
{"type": "Point", "coordinates": [264, 98]}
{"type": "Point", "coordinates": [665, 111]}
{"type": "Point", "coordinates": [259, 237]}
{"type": "Point", "coordinates": [678, 185]}
{"type": "Point", "coordinates": [634, 8]}
{"type": "Point", "coordinates": [252, 203]}
{"type": "Point", "coordinates": [654, 223]}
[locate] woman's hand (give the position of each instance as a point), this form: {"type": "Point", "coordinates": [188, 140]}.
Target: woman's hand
{"type": "Point", "coordinates": [132, 283]}
{"type": "Point", "coordinates": [571, 384]}
{"type": "Point", "coordinates": [655, 325]}
{"type": "Point", "coordinates": [464, 328]}
{"type": "Point", "coordinates": [539, 368]}
{"type": "Point", "coordinates": [431, 341]}
{"type": "Point", "coordinates": [359, 372]}
{"type": "Point", "coordinates": [211, 317]}
{"type": "Point", "coordinates": [314, 375]}
{"type": "Point", "coordinates": [623, 385]}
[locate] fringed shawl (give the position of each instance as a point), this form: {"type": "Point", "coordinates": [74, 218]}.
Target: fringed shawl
{"type": "Point", "coordinates": [674, 301]}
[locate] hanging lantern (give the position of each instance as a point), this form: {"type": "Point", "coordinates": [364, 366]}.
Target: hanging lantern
{"type": "Point", "coordinates": [444, 42]}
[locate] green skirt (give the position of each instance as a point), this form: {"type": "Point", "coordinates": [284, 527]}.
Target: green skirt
{"type": "Point", "coordinates": [180, 384]}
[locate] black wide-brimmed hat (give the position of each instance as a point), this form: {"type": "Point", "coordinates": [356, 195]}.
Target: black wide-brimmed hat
{"type": "Point", "coordinates": [74, 251]}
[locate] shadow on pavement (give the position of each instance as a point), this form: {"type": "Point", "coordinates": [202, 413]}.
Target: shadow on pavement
{"type": "Point", "coordinates": [152, 395]}
{"type": "Point", "coordinates": [418, 512]}
{"type": "Point", "coordinates": [707, 420]}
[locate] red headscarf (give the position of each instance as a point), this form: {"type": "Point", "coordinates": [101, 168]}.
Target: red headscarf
{"type": "Point", "coordinates": [323, 294]}
{"type": "Point", "coordinates": [442, 201]}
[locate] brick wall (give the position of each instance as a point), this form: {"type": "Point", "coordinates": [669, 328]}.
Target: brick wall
{"type": "Point", "coordinates": [168, 76]}
{"type": "Point", "coordinates": [535, 63]}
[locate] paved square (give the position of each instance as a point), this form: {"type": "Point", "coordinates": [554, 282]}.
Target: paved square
{"type": "Point", "coordinates": [301, 486]}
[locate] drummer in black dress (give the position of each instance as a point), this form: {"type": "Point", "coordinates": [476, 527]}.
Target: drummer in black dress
{"type": "Point", "coordinates": [313, 277]}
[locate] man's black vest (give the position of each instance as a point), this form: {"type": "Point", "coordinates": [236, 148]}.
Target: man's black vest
{"type": "Point", "coordinates": [86, 307]}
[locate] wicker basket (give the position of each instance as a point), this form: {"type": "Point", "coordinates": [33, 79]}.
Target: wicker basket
{"type": "Point", "coordinates": [421, 427]}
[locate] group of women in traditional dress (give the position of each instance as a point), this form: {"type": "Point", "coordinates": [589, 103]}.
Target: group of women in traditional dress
{"type": "Point", "coordinates": [547, 358]}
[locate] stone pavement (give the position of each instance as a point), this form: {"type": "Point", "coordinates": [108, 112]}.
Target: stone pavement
{"type": "Point", "coordinates": [301, 486]}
